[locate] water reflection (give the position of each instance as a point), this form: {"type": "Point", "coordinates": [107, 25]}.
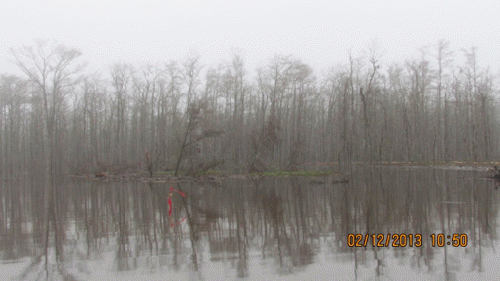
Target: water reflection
{"type": "Point", "coordinates": [64, 229]}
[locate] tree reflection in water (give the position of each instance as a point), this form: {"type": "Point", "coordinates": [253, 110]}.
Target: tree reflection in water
{"type": "Point", "coordinates": [63, 225]}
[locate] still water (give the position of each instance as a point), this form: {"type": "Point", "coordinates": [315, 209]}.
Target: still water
{"type": "Point", "coordinates": [282, 228]}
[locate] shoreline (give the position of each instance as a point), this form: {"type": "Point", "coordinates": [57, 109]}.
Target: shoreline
{"type": "Point", "coordinates": [162, 177]}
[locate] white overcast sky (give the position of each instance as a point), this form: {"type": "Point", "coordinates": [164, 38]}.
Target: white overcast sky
{"type": "Point", "coordinates": [320, 33]}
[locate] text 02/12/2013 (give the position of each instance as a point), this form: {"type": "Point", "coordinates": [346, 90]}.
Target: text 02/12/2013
{"type": "Point", "coordinates": [405, 240]}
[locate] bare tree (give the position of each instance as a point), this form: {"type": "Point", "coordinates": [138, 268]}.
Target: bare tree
{"type": "Point", "coordinates": [51, 69]}
{"type": "Point", "coordinates": [444, 60]}
{"type": "Point", "coordinates": [190, 74]}
{"type": "Point", "coordinates": [14, 94]}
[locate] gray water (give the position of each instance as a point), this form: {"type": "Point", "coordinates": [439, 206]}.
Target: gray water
{"type": "Point", "coordinates": [282, 228]}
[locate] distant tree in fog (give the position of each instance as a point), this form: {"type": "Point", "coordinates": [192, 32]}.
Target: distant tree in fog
{"type": "Point", "coordinates": [50, 68]}
{"type": "Point", "coordinates": [13, 135]}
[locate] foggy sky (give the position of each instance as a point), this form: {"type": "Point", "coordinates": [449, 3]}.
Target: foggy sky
{"type": "Point", "coordinates": [320, 33]}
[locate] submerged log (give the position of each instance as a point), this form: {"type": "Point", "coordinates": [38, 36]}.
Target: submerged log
{"type": "Point", "coordinates": [494, 174]}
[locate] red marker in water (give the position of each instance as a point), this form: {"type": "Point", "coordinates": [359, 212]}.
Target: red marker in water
{"type": "Point", "coordinates": [170, 205]}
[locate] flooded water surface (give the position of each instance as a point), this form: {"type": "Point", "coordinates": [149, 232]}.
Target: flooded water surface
{"type": "Point", "coordinates": [275, 228]}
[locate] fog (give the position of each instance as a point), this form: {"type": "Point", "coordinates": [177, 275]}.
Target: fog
{"type": "Point", "coordinates": [251, 137]}
{"type": "Point", "coordinates": [320, 33]}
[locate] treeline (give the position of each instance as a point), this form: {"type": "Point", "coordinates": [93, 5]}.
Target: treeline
{"type": "Point", "coordinates": [176, 116]}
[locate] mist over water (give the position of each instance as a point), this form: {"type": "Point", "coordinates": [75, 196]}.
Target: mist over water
{"type": "Point", "coordinates": [271, 228]}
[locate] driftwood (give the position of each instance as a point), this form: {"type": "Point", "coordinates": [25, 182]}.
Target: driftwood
{"type": "Point", "coordinates": [101, 175]}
